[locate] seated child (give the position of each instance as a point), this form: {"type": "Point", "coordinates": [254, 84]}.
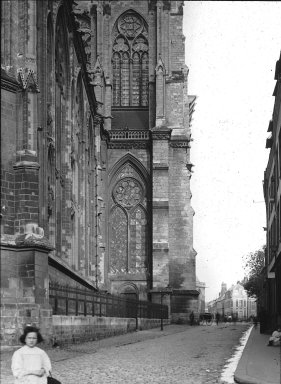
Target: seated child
{"type": "Point", "coordinates": [275, 338]}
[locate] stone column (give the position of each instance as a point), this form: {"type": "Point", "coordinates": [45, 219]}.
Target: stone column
{"type": "Point", "coordinates": [160, 93]}
{"type": "Point", "coordinates": [182, 276]}
{"type": "Point", "coordinates": [160, 206]}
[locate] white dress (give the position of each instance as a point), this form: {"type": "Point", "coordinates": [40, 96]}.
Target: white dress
{"type": "Point", "coordinates": [30, 359]}
{"type": "Point", "coordinates": [275, 338]}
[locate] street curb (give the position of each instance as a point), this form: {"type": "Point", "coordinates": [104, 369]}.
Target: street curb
{"type": "Point", "coordinates": [252, 353]}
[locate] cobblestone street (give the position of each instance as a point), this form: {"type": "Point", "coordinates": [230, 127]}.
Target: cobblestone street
{"type": "Point", "coordinates": [178, 355]}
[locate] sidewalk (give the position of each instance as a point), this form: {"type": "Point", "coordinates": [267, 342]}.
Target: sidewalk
{"type": "Point", "coordinates": [259, 364]}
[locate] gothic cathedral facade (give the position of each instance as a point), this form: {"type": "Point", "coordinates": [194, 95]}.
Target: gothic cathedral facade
{"type": "Point", "coordinates": [96, 146]}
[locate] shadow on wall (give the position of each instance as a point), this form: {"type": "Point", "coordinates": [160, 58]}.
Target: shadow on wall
{"type": "Point", "coordinates": [176, 277]}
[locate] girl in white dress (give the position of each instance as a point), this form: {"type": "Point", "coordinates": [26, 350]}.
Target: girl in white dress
{"type": "Point", "coordinates": [30, 364]}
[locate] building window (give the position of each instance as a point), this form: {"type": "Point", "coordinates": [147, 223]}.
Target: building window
{"type": "Point", "coordinates": [128, 224]}
{"type": "Point", "coordinates": [130, 61]}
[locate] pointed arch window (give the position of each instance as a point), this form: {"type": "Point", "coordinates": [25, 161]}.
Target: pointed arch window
{"type": "Point", "coordinates": [130, 61]}
{"type": "Point", "coordinates": [128, 227]}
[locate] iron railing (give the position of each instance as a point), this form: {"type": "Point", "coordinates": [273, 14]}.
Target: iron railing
{"type": "Point", "coordinates": [66, 300]}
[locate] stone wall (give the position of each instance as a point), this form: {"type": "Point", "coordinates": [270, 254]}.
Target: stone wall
{"type": "Point", "coordinates": [8, 133]}
{"type": "Point", "coordinates": [24, 292]}
{"type": "Point", "coordinates": [77, 329]}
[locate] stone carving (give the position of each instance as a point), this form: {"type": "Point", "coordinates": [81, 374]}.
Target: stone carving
{"type": "Point", "coordinates": [83, 23]}
{"type": "Point", "coordinates": [75, 206]}
{"type": "Point", "coordinates": [51, 198]}
{"type": "Point", "coordinates": [4, 207]}
{"type": "Point", "coordinates": [59, 175]}
{"type": "Point", "coordinates": [28, 79]}
{"type": "Point", "coordinates": [97, 120]}
{"type": "Point", "coordinates": [160, 67]}
{"type": "Point", "coordinates": [32, 229]}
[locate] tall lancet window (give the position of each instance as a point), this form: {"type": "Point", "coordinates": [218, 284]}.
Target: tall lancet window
{"type": "Point", "coordinates": [130, 61]}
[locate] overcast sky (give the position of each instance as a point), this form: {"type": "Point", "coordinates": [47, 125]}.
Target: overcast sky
{"type": "Point", "coordinates": [231, 51]}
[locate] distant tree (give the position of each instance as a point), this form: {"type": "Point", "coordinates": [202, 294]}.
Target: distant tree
{"type": "Point", "coordinates": [253, 266]}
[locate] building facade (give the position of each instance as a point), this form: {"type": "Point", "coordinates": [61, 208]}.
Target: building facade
{"type": "Point", "coordinates": [233, 302]}
{"type": "Point", "coordinates": [272, 192]}
{"type": "Point", "coordinates": [95, 153]}
{"type": "Point", "coordinates": [201, 288]}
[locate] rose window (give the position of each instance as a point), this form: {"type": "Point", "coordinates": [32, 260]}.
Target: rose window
{"type": "Point", "coordinates": [130, 25]}
{"type": "Point", "coordinates": [128, 192]}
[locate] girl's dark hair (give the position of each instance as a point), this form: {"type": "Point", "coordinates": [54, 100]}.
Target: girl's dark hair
{"type": "Point", "coordinates": [30, 329]}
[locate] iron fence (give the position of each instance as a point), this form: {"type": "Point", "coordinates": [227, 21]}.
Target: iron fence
{"type": "Point", "coordinates": [66, 300]}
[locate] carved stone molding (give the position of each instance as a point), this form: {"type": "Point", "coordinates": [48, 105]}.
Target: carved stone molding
{"type": "Point", "coordinates": [160, 166]}
{"type": "Point", "coordinates": [26, 165]}
{"type": "Point", "coordinates": [161, 133]}
{"type": "Point", "coordinates": [131, 145]}
{"type": "Point", "coordinates": [121, 135]}
{"type": "Point", "coordinates": [180, 144]}
{"type": "Point", "coordinates": [161, 136]}
{"type": "Point", "coordinates": [8, 79]}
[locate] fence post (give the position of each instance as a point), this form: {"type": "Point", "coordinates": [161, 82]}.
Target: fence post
{"type": "Point", "coordinates": [66, 301]}
{"type": "Point", "coordinates": [93, 305]}
{"type": "Point", "coordinates": [85, 303]}
{"type": "Point", "coordinates": [137, 315]}
{"type": "Point", "coordinates": [76, 303]}
{"type": "Point", "coordinates": [56, 302]}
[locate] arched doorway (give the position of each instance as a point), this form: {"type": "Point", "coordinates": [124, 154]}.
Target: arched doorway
{"type": "Point", "coordinates": [129, 291]}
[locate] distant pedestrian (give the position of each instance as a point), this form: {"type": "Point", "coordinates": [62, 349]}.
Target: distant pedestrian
{"type": "Point", "coordinates": [255, 321]}
{"type": "Point", "coordinates": [191, 318]}
{"type": "Point", "coordinates": [217, 318]}
{"type": "Point", "coordinates": [30, 364]}
{"type": "Point", "coordinates": [263, 317]}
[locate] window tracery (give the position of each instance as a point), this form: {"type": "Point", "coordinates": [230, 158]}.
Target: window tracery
{"type": "Point", "coordinates": [130, 61]}
{"type": "Point", "coordinates": [128, 223]}
{"type": "Point", "coordinates": [128, 192]}
{"type": "Point", "coordinates": [119, 241]}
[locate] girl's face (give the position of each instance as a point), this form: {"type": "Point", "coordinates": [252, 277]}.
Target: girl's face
{"type": "Point", "coordinates": [31, 339]}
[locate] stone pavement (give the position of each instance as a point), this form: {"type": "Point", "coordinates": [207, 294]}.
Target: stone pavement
{"type": "Point", "coordinates": [179, 355]}
{"type": "Point", "coordinates": [259, 364]}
